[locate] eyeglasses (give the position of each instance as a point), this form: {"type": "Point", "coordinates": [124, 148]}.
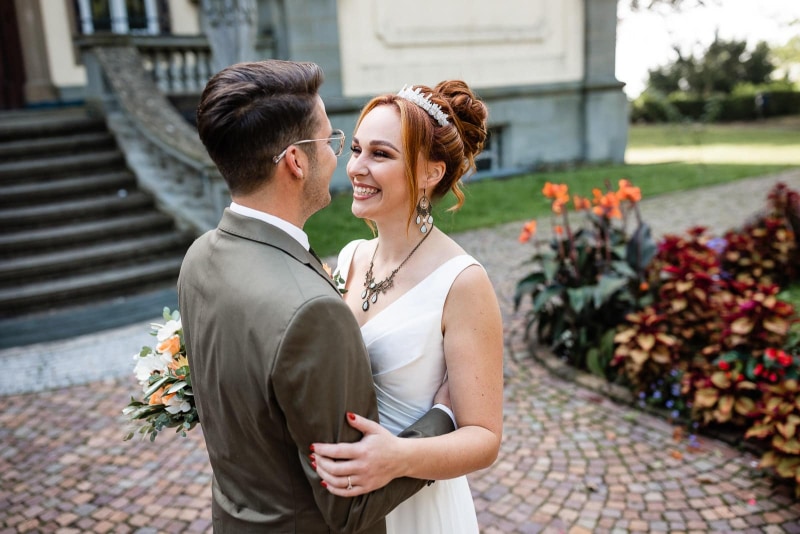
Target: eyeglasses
{"type": "Point", "coordinates": [336, 141]}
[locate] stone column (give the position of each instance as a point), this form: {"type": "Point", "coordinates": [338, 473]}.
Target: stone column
{"type": "Point", "coordinates": [231, 27]}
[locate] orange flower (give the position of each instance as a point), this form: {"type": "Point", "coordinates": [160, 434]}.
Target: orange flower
{"type": "Point", "coordinates": [327, 269]}
{"type": "Point", "coordinates": [170, 346]}
{"type": "Point", "coordinates": [628, 192]}
{"type": "Point", "coordinates": [559, 193]}
{"type": "Point", "coordinates": [606, 205]}
{"type": "Point", "coordinates": [157, 397]}
{"type": "Point", "coordinates": [644, 286]}
{"type": "Point", "coordinates": [177, 363]}
{"type": "Point", "coordinates": [581, 203]}
{"type": "Point", "coordinates": [559, 230]}
{"type": "Point", "coordinates": [527, 231]}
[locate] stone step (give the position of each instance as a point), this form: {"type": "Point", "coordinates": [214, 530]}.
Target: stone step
{"type": "Point", "coordinates": [23, 269]}
{"type": "Point", "coordinates": [47, 146]}
{"type": "Point", "coordinates": [62, 166]}
{"type": "Point", "coordinates": [71, 321]}
{"type": "Point", "coordinates": [76, 234]}
{"type": "Point", "coordinates": [72, 290]}
{"type": "Point", "coordinates": [58, 213]}
{"type": "Point", "coordinates": [31, 124]}
{"type": "Point", "coordinates": [38, 192]}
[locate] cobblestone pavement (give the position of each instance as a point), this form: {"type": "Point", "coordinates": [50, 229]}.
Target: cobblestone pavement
{"type": "Point", "coordinates": [571, 460]}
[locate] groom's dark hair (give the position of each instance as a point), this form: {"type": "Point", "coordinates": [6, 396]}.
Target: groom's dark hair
{"type": "Point", "coordinates": [250, 112]}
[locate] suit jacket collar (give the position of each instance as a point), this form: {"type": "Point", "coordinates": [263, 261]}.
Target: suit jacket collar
{"type": "Point", "coordinates": [262, 232]}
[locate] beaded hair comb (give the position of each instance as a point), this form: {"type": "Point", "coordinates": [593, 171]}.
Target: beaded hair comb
{"type": "Point", "coordinates": [424, 101]}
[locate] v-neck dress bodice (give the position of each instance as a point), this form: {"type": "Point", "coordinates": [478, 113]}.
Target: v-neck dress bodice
{"type": "Point", "coordinates": [406, 349]}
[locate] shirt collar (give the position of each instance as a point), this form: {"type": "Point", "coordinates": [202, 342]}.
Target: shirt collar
{"type": "Point", "coordinates": [299, 235]}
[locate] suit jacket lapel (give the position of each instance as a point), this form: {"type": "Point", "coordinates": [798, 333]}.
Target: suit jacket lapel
{"type": "Point", "coordinates": [256, 230]}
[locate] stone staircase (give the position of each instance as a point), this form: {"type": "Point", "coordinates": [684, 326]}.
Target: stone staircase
{"type": "Point", "coordinates": [79, 243]}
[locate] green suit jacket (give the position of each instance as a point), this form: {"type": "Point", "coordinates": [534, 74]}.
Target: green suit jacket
{"type": "Point", "coordinates": [277, 360]}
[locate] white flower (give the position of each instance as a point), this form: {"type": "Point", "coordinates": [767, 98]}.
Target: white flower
{"type": "Point", "coordinates": [168, 330]}
{"type": "Point", "coordinates": [147, 365]}
{"type": "Point", "coordinates": [175, 405]}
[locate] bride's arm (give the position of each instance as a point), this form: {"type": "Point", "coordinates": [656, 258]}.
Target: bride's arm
{"type": "Point", "coordinates": [473, 347]}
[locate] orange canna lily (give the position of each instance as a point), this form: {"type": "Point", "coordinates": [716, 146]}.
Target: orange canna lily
{"type": "Point", "coordinates": [527, 231]}
{"type": "Point", "coordinates": [559, 230]}
{"type": "Point", "coordinates": [627, 191]}
{"type": "Point", "coordinates": [606, 205]}
{"type": "Point", "coordinates": [170, 346]}
{"type": "Point", "coordinates": [581, 203]}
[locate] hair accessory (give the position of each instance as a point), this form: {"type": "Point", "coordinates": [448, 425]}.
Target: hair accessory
{"type": "Point", "coordinates": [424, 217]}
{"type": "Point", "coordinates": [424, 101]}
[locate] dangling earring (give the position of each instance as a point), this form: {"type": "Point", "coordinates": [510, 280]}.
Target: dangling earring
{"type": "Point", "coordinates": [424, 216]}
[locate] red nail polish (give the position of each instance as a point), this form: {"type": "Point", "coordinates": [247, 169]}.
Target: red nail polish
{"type": "Point", "coordinates": [314, 465]}
{"type": "Point", "coordinates": [311, 447]}
{"type": "Point", "coordinates": [351, 416]}
{"type": "Point", "coordinates": [324, 484]}
{"type": "Point", "coordinates": [311, 457]}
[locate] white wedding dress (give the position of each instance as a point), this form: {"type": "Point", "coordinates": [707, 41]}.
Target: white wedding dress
{"type": "Point", "coordinates": [406, 347]}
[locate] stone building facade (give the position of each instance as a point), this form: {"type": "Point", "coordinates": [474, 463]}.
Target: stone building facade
{"type": "Point", "coordinates": [544, 67]}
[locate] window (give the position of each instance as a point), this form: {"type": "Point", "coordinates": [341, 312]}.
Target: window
{"type": "Point", "coordinates": [122, 16]}
{"type": "Point", "coordinates": [489, 159]}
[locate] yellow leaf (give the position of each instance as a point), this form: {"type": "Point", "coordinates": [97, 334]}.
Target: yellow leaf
{"type": "Point", "coordinates": [776, 325]}
{"type": "Point", "coordinates": [706, 397]}
{"type": "Point", "coordinates": [742, 326]}
{"type": "Point", "coordinates": [769, 459]}
{"type": "Point", "coordinates": [786, 430]}
{"type": "Point", "coordinates": [638, 356]}
{"type": "Point", "coordinates": [624, 336]}
{"type": "Point", "coordinates": [724, 408]}
{"type": "Point", "coordinates": [678, 305]}
{"type": "Point", "coordinates": [684, 286]}
{"type": "Point", "coordinates": [661, 355]}
{"type": "Point", "coordinates": [758, 431]}
{"type": "Point", "coordinates": [720, 380]}
{"type": "Point", "coordinates": [744, 406]}
{"type": "Point", "coordinates": [646, 341]}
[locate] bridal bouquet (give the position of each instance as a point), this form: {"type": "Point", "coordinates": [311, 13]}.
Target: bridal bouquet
{"type": "Point", "coordinates": [163, 372]}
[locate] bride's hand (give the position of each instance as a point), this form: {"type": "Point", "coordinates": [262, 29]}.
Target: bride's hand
{"type": "Point", "coordinates": [366, 465]}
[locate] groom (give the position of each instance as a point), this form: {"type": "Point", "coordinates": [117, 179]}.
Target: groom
{"type": "Point", "coordinates": [277, 357]}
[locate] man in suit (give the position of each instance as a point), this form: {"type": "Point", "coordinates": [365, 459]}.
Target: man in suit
{"type": "Point", "coordinates": [277, 357]}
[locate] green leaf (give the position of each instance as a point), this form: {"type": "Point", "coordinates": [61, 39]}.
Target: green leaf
{"type": "Point", "coordinates": [593, 362]}
{"type": "Point", "coordinates": [177, 386]}
{"type": "Point", "coordinates": [527, 286]}
{"type": "Point", "coordinates": [155, 385]}
{"type": "Point", "coordinates": [578, 297]}
{"type": "Point", "coordinates": [606, 287]}
{"type": "Point", "coordinates": [623, 269]}
{"type": "Point", "coordinates": [165, 313]}
{"type": "Point", "coordinates": [641, 248]}
{"type": "Point", "coordinates": [544, 296]}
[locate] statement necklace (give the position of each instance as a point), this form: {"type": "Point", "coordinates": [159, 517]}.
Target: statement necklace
{"type": "Point", "coordinates": [372, 288]}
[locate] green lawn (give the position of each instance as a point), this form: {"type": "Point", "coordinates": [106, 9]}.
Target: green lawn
{"type": "Point", "coordinates": [740, 151]}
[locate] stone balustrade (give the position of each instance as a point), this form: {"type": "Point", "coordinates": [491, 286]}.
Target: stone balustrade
{"type": "Point", "coordinates": [130, 87]}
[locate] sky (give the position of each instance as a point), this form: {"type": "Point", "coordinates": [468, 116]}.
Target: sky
{"type": "Point", "coordinates": [645, 38]}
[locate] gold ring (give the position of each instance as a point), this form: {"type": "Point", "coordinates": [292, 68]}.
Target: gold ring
{"type": "Point", "coordinates": [349, 484]}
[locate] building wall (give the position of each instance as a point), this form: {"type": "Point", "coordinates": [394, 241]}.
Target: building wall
{"type": "Point", "coordinates": [490, 44]}
{"type": "Point", "coordinates": [545, 68]}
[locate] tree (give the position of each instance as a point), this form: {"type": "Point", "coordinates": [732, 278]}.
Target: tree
{"type": "Point", "coordinates": [717, 70]}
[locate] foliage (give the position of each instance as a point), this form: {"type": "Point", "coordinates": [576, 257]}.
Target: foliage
{"type": "Point", "coordinates": [167, 399]}
{"type": "Point", "coordinates": [585, 281]}
{"type": "Point", "coordinates": [694, 326]}
{"type": "Point", "coordinates": [777, 415]}
{"type": "Point", "coordinates": [717, 70]}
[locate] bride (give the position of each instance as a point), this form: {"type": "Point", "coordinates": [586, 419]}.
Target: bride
{"type": "Point", "coordinates": [427, 310]}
